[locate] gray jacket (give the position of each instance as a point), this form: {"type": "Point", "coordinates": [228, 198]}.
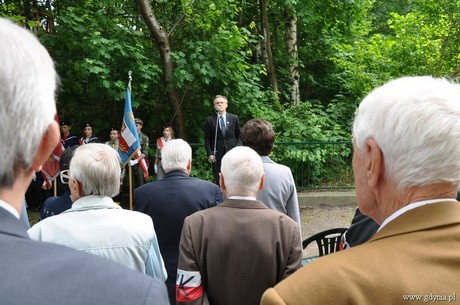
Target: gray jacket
{"type": "Point", "coordinates": [47, 274]}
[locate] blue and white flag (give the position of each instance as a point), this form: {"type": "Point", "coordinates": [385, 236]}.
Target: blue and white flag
{"type": "Point", "coordinates": [129, 139]}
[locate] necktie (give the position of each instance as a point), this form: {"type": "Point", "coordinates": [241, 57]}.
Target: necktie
{"type": "Point", "coordinates": [222, 125]}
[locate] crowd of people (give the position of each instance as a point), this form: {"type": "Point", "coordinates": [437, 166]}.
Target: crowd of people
{"type": "Point", "coordinates": [236, 240]}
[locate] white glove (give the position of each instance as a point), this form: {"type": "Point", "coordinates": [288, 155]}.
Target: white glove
{"type": "Point", "coordinates": [133, 162]}
{"type": "Point", "coordinates": [155, 167]}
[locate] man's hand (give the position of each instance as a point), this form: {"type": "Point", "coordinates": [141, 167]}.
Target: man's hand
{"type": "Point", "coordinates": [133, 162]}
{"type": "Point", "coordinates": [155, 167]}
{"type": "Point", "coordinates": [212, 158]}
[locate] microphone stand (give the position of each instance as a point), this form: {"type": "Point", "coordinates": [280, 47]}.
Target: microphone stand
{"type": "Point", "coordinates": [215, 137]}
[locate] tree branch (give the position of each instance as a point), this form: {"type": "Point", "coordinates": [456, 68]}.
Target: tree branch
{"type": "Point", "coordinates": [180, 20]}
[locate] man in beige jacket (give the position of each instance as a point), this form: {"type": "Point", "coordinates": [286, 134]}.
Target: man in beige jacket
{"type": "Point", "coordinates": [406, 161]}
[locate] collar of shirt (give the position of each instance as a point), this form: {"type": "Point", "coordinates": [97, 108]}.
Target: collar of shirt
{"type": "Point", "coordinates": [9, 208]}
{"type": "Point", "coordinates": [243, 198]}
{"type": "Point", "coordinates": [411, 206]}
{"type": "Point", "coordinates": [224, 116]}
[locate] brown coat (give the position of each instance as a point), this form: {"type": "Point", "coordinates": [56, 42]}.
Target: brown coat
{"type": "Point", "coordinates": [417, 255]}
{"type": "Point", "coordinates": [239, 249]}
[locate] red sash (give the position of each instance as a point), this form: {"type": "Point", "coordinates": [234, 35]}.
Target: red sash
{"type": "Point", "coordinates": [160, 142]}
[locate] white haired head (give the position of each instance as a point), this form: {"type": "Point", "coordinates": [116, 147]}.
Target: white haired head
{"type": "Point", "coordinates": [176, 154]}
{"type": "Point", "coordinates": [242, 170]}
{"type": "Point", "coordinates": [27, 98]}
{"type": "Point", "coordinates": [97, 169]}
{"type": "Point", "coordinates": [416, 123]}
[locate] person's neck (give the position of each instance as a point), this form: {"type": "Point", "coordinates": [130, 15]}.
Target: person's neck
{"type": "Point", "coordinates": [183, 170]}
{"type": "Point", "coordinates": [221, 113]}
{"type": "Point", "coordinates": [241, 194]}
{"type": "Point", "coordinates": [14, 195]}
{"type": "Point", "coordinates": [390, 202]}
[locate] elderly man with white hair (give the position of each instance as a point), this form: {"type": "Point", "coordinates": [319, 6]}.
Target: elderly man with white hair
{"type": "Point", "coordinates": [169, 200]}
{"type": "Point", "coordinates": [35, 272]}
{"type": "Point", "coordinates": [95, 223]}
{"type": "Point", "coordinates": [231, 253]}
{"type": "Point", "coordinates": [406, 162]}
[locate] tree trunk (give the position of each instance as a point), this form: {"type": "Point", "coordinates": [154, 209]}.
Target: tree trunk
{"type": "Point", "coordinates": [269, 63]}
{"type": "Point", "coordinates": [162, 41]}
{"type": "Point", "coordinates": [291, 40]}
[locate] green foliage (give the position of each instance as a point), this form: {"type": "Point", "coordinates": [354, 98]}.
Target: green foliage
{"type": "Point", "coordinates": [419, 38]}
{"type": "Point", "coordinates": [201, 167]}
{"type": "Point", "coordinates": [95, 47]}
{"type": "Point", "coordinates": [345, 49]}
{"type": "Point", "coordinates": [218, 63]}
{"type": "Point", "coordinates": [16, 12]}
{"type": "Point", "coordinates": [308, 123]}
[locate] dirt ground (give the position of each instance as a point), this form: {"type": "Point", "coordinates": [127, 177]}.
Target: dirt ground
{"type": "Point", "coordinates": [314, 219]}
{"type": "Point", "coordinates": [320, 218]}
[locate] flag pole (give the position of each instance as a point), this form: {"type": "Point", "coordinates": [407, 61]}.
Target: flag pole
{"type": "Point", "coordinates": [130, 172]}
{"type": "Point", "coordinates": [55, 187]}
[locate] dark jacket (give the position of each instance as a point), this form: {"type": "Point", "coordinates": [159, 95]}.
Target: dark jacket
{"type": "Point", "coordinates": [168, 201]}
{"type": "Point", "coordinates": [223, 144]}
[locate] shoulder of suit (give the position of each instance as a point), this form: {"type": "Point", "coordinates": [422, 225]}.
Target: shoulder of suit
{"type": "Point", "coordinates": [203, 182]}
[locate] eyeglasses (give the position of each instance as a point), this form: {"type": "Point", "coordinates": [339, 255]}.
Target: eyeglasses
{"type": "Point", "coordinates": [64, 175]}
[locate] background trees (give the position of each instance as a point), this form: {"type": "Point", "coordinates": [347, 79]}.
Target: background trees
{"type": "Point", "coordinates": [304, 65]}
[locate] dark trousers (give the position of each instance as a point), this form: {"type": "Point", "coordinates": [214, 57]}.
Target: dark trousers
{"type": "Point", "coordinates": [138, 176]}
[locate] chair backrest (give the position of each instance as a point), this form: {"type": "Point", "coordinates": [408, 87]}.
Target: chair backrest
{"type": "Point", "coordinates": [328, 241]}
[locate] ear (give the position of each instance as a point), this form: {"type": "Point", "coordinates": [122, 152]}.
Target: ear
{"type": "Point", "coordinates": [262, 182]}
{"type": "Point", "coordinates": [75, 190]}
{"type": "Point", "coordinates": [189, 166]}
{"type": "Point", "coordinates": [222, 182]}
{"type": "Point", "coordinates": [375, 162]}
{"type": "Point", "coordinates": [48, 143]}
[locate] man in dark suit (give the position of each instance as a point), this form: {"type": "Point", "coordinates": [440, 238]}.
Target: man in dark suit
{"type": "Point", "coordinates": [169, 200]}
{"type": "Point", "coordinates": [35, 272]}
{"type": "Point", "coordinates": [221, 133]}
{"type": "Point", "coordinates": [231, 253]}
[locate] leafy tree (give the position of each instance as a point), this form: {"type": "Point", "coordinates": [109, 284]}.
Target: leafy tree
{"type": "Point", "coordinates": [95, 45]}
{"type": "Point", "coordinates": [420, 38]}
